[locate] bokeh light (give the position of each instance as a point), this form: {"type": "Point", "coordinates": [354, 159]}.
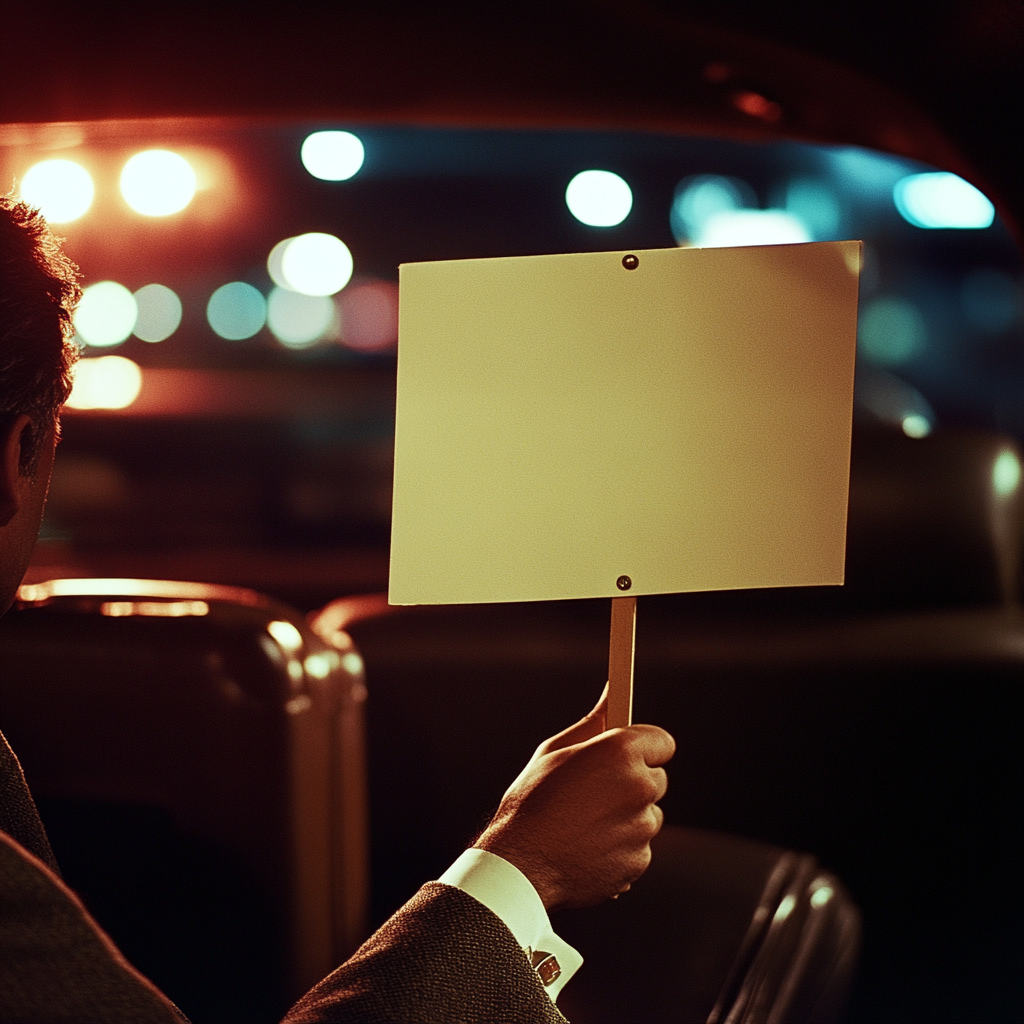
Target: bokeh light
{"type": "Point", "coordinates": [940, 199]}
{"type": "Point", "coordinates": [106, 315]}
{"type": "Point", "coordinates": [815, 205]}
{"type": "Point", "coordinates": [891, 331]}
{"type": "Point", "coordinates": [159, 312]}
{"type": "Point", "coordinates": [915, 425]}
{"type": "Point", "coordinates": [274, 268]}
{"type": "Point", "coordinates": [891, 400]}
{"type": "Point", "coordinates": [990, 299]}
{"type": "Point", "coordinates": [157, 182]}
{"type": "Point", "coordinates": [61, 189]}
{"type": "Point", "coordinates": [332, 155]}
{"type": "Point", "coordinates": [312, 264]}
{"type": "Point", "coordinates": [751, 227]}
{"type": "Point", "coordinates": [236, 311]}
{"type": "Point", "coordinates": [698, 198]}
{"type": "Point", "coordinates": [369, 316]}
{"type": "Point", "coordinates": [600, 199]}
{"type": "Point", "coordinates": [105, 382]}
{"type": "Point", "coordinates": [298, 320]}
{"type": "Point", "coordinates": [1006, 473]}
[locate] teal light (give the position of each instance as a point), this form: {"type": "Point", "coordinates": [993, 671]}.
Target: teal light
{"type": "Point", "coordinates": [942, 200]}
{"type": "Point", "coordinates": [236, 311]}
{"type": "Point", "coordinates": [1006, 473]}
{"type": "Point", "coordinates": [891, 331]}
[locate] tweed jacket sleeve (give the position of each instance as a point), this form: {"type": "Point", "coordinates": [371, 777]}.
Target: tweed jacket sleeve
{"type": "Point", "coordinates": [56, 965]}
{"type": "Point", "coordinates": [443, 958]}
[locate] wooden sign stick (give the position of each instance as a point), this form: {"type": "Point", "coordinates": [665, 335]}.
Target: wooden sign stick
{"type": "Point", "coordinates": [621, 645]}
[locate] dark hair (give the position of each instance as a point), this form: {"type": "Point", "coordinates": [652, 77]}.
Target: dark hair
{"type": "Point", "coordinates": [39, 290]}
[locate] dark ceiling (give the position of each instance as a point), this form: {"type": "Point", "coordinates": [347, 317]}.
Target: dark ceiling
{"type": "Point", "coordinates": [938, 81]}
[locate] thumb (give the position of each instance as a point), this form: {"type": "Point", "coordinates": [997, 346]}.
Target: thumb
{"type": "Point", "coordinates": [592, 724]}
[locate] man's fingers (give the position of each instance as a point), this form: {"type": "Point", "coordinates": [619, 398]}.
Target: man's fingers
{"type": "Point", "coordinates": [593, 724]}
{"type": "Point", "coordinates": [654, 744]}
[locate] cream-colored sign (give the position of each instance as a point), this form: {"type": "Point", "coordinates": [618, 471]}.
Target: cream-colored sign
{"type": "Point", "coordinates": [681, 418]}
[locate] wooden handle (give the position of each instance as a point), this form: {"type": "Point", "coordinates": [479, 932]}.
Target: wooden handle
{"type": "Point", "coordinates": [620, 662]}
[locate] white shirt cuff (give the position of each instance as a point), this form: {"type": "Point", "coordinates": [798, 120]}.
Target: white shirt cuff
{"type": "Point", "coordinates": [507, 892]}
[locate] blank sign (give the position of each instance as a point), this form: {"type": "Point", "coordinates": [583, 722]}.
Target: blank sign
{"type": "Point", "coordinates": [681, 417]}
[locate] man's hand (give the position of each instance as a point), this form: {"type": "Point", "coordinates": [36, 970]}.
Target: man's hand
{"type": "Point", "coordinates": [579, 820]}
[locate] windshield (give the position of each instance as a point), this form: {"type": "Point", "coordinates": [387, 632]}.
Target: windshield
{"type": "Point", "coordinates": [244, 277]}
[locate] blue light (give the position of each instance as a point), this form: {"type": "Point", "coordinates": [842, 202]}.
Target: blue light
{"type": "Point", "coordinates": [990, 299]}
{"type": "Point", "coordinates": [699, 198]}
{"type": "Point", "coordinates": [814, 205]}
{"type": "Point", "coordinates": [891, 331]}
{"type": "Point", "coordinates": [236, 311]}
{"type": "Point", "coordinates": [942, 200]}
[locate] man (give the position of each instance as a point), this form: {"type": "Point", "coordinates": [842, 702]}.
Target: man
{"type": "Point", "coordinates": [572, 830]}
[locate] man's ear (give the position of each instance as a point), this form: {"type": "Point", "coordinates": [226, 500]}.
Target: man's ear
{"type": "Point", "coordinates": [12, 480]}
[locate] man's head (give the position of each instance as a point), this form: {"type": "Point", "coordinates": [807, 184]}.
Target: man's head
{"type": "Point", "coordinates": [38, 293]}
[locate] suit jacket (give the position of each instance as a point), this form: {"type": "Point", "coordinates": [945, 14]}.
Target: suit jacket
{"type": "Point", "coordinates": [444, 957]}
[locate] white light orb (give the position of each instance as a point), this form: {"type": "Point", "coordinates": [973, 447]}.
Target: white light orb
{"type": "Point", "coordinates": [159, 312]}
{"type": "Point", "coordinates": [942, 200]}
{"type": "Point", "coordinates": [158, 182]}
{"type": "Point", "coordinates": [600, 199]}
{"type": "Point", "coordinates": [315, 264]}
{"type": "Point", "coordinates": [106, 382]}
{"type": "Point", "coordinates": [332, 156]}
{"type": "Point", "coordinates": [236, 311]}
{"type": "Point", "coordinates": [751, 227]}
{"type": "Point", "coordinates": [61, 189]}
{"type": "Point", "coordinates": [298, 320]}
{"type": "Point", "coordinates": [274, 262]}
{"type": "Point", "coordinates": [915, 425]}
{"type": "Point", "coordinates": [106, 315]}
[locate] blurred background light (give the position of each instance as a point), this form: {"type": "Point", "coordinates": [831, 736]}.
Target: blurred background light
{"type": "Point", "coordinates": [159, 312]}
{"type": "Point", "coordinates": [106, 315]}
{"type": "Point", "coordinates": [274, 268]}
{"type": "Point", "coordinates": [990, 299]}
{"type": "Point", "coordinates": [942, 200]}
{"type": "Point", "coordinates": [751, 227]}
{"type": "Point", "coordinates": [815, 205]}
{"type": "Point", "coordinates": [157, 182]}
{"type": "Point", "coordinates": [756, 105]}
{"type": "Point", "coordinates": [866, 175]}
{"type": "Point", "coordinates": [600, 199]}
{"type": "Point", "coordinates": [1006, 473]}
{"type": "Point", "coordinates": [700, 197]}
{"type": "Point", "coordinates": [916, 425]}
{"type": "Point", "coordinates": [891, 331]}
{"type": "Point", "coordinates": [236, 311]}
{"type": "Point", "coordinates": [298, 320]}
{"type": "Point", "coordinates": [312, 264]}
{"type": "Point", "coordinates": [369, 316]}
{"type": "Point", "coordinates": [105, 382]}
{"type": "Point", "coordinates": [62, 189]}
{"type": "Point", "coordinates": [889, 399]}
{"type": "Point", "coordinates": [332, 155]}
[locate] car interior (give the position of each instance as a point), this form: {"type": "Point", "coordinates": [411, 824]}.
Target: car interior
{"type": "Point", "coordinates": [246, 760]}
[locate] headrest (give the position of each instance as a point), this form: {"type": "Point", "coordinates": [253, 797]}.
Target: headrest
{"type": "Point", "coordinates": [935, 520]}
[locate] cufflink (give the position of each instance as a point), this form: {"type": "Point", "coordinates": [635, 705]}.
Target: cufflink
{"type": "Point", "coordinates": [547, 966]}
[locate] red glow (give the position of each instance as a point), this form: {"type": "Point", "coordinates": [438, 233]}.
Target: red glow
{"type": "Point", "coordinates": [369, 316]}
{"type": "Point", "coordinates": [756, 105]}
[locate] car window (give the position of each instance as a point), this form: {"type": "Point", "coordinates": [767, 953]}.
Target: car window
{"type": "Point", "coordinates": [239, 324]}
